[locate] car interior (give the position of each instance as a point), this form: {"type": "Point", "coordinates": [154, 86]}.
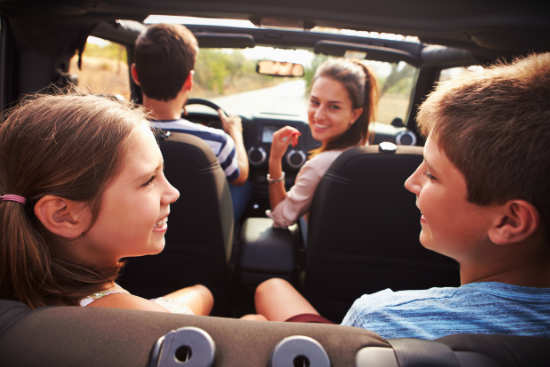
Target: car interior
{"type": "Point", "coordinates": [361, 235]}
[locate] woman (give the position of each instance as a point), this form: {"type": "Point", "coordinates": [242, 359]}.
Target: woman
{"type": "Point", "coordinates": [341, 106]}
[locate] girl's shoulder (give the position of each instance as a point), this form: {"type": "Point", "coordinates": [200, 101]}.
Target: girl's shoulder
{"type": "Point", "coordinates": [118, 297]}
{"type": "Point", "coordinates": [98, 295]}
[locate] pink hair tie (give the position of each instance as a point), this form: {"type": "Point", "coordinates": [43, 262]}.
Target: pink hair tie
{"type": "Point", "coordinates": [13, 197]}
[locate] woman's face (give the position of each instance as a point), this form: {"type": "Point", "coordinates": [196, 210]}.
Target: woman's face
{"type": "Point", "coordinates": [330, 111]}
{"type": "Point", "coordinates": [133, 217]}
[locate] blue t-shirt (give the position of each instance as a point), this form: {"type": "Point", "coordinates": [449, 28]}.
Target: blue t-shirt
{"type": "Point", "coordinates": [218, 140]}
{"type": "Point", "coordinates": [484, 308]}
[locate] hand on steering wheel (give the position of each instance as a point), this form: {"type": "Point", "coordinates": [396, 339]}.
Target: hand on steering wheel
{"type": "Point", "coordinates": [216, 123]}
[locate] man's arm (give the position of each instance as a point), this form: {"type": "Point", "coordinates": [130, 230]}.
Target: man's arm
{"type": "Point", "coordinates": [233, 126]}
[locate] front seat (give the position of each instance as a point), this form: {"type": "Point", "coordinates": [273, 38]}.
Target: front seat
{"type": "Point", "coordinates": [200, 234]}
{"type": "Point", "coordinates": [363, 231]}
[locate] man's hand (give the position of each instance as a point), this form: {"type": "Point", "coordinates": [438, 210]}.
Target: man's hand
{"type": "Point", "coordinates": [231, 124]}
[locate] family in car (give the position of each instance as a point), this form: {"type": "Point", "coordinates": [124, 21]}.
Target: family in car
{"type": "Point", "coordinates": [83, 187]}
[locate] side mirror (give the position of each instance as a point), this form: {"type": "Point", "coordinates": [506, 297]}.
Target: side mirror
{"type": "Point", "coordinates": [279, 68]}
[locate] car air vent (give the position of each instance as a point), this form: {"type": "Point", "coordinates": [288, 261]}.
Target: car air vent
{"type": "Point", "coordinates": [256, 156]}
{"type": "Point", "coordinates": [295, 158]}
{"type": "Point", "coordinates": [405, 137]}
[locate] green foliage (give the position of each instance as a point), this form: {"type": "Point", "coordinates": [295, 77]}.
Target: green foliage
{"type": "Point", "coordinates": [309, 71]}
{"type": "Point", "coordinates": [227, 71]}
{"type": "Point", "coordinates": [112, 51]}
{"type": "Point", "coordinates": [399, 80]}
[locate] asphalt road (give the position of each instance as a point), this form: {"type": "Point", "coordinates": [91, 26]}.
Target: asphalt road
{"type": "Point", "coordinates": [285, 98]}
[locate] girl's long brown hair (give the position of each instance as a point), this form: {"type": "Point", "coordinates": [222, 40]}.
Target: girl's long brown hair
{"type": "Point", "coordinates": [68, 146]}
{"type": "Point", "coordinates": [362, 87]}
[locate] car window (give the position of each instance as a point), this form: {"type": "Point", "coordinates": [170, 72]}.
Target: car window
{"type": "Point", "coordinates": [228, 77]}
{"type": "Point", "coordinates": [104, 68]}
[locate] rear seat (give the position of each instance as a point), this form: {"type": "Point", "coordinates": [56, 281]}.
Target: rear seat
{"type": "Point", "coordinates": [363, 231]}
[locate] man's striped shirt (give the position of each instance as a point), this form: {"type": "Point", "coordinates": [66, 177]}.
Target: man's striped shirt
{"type": "Point", "coordinates": [218, 140]}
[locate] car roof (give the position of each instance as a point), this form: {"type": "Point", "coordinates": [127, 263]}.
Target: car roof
{"type": "Point", "coordinates": [488, 29]}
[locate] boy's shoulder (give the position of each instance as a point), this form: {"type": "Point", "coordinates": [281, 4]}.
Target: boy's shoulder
{"type": "Point", "coordinates": [481, 307]}
{"type": "Point", "coordinates": [467, 294]}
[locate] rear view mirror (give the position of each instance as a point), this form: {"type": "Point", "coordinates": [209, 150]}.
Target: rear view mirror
{"type": "Point", "coordinates": [279, 68]}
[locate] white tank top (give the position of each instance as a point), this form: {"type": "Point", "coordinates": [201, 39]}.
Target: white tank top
{"type": "Point", "coordinates": [164, 302]}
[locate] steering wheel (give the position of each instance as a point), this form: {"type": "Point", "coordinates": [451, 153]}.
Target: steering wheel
{"type": "Point", "coordinates": [214, 122]}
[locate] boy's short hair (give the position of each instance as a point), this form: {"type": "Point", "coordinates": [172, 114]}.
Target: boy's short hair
{"type": "Point", "coordinates": [494, 126]}
{"type": "Point", "coordinates": [164, 56]}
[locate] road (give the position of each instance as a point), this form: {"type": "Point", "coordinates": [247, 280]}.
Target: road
{"type": "Point", "coordinates": [285, 98]}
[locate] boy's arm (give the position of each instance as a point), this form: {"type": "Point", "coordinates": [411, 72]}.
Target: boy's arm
{"type": "Point", "coordinates": [233, 126]}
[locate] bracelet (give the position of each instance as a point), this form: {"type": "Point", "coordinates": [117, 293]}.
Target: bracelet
{"type": "Point", "coordinates": [272, 180]}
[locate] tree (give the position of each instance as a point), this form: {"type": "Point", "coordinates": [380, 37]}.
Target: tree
{"type": "Point", "coordinates": [398, 79]}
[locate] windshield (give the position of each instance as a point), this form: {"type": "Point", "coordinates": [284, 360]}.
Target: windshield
{"type": "Point", "coordinates": [228, 77]}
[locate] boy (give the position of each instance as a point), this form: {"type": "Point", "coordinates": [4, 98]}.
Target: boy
{"type": "Point", "coordinates": [484, 196]}
{"type": "Point", "coordinates": [165, 56]}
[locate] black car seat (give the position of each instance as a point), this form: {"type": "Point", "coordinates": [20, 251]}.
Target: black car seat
{"type": "Point", "coordinates": [200, 226]}
{"type": "Point", "coordinates": [472, 350]}
{"type": "Point", "coordinates": [363, 231]}
{"type": "Point", "coordinates": [85, 337]}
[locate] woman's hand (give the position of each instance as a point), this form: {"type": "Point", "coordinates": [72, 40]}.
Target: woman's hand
{"type": "Point", "coordinates": [282, 138]}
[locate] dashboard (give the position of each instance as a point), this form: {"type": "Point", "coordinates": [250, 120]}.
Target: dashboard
{"type": "Point", "coordinates": [258, 133]}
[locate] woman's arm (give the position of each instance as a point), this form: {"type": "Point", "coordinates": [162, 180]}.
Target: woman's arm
{"type": "Point", "coordinates": [282, 138]}
{"type": "Point", "coordinates": [297, 201]}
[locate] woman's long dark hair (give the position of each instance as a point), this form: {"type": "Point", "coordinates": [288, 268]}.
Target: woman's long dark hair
{"type": "Point", "coordinates": [362, 87]}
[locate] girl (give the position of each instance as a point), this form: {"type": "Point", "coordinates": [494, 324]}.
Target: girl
{"type": "Point", "coordinates": [83, 185]}
{"type": "Point", "coordinates": [341, 106]}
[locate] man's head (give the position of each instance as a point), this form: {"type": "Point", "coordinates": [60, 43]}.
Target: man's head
{"type": "Point", "coordinates": [165, 55]}
{"type": "Point", "coordinates": [494, 126]}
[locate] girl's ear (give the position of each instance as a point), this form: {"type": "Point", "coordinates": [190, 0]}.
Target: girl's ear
{"type": "Point", "coordinates": [355, 113]}
{"type": "Point", "coordinates": [517, 221]}
{"type": "Point", "coordinates": [134, 73]}
{"type": "Point", "coordinates": [63, 217]}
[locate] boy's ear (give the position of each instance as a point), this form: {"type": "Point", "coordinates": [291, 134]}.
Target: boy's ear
{"type": "Point", "coordinates": [66, 218]}
{"type": "Point", "coordinates": [517, 221]}
{"type": "Point", "coordinates": [189, 81]}
{"type": "Point", "coordinates": [134, 73]}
